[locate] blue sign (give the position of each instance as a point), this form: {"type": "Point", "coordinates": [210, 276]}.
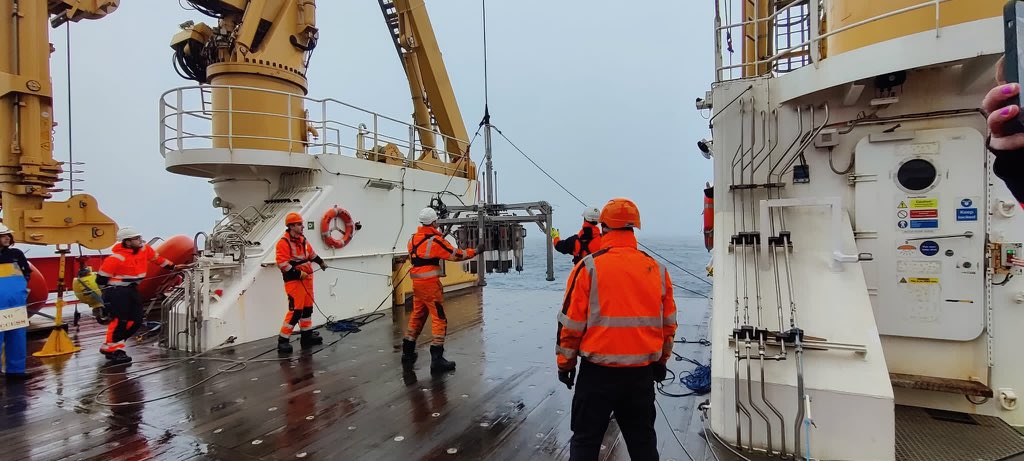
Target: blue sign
{"type": "Point", "coordinates": [966, 203]}
{"type": "Point", "coordinates": [929, 248]}
{"type": "Point", "coordinates": [902, 224]}
{"type": "Point", "coordinates": [966, 214]}
{"type": "Point", "coordinates": [924, 224]}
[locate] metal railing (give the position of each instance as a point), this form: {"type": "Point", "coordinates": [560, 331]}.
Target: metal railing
{"type": "Point", "coordinates": [795, 23]}
{"type": "Point", "coordinates": [187, 114]}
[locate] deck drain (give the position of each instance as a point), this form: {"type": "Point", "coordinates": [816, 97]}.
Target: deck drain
{"type": "Point", "coordinates": [435, 414]}
{"type": "Point", "coordinates": [399, 439]}
{"type": "Point", "coordinates": [257, 442]}
{"type": "Point", "coordinates": [310, 418]}
{"type": "Point", "coordinates": [218, 431]}
{"type": "Point", "coordinates": [485, 424]}
{"type": "Point", "coordinates": [272, 409]}
{"type": "Point", "coordinates": [465, 396]}
{"type": "Point", "coordinates": [301, 455]}
{"type": "Point", "coordinates": [452, 451]}
{"type": "Point", "coordinates": [317, 391]}
{"type": "Point", "coordinates": [254, 379]}
{"type": "Point", "coordinates": [351, 428]}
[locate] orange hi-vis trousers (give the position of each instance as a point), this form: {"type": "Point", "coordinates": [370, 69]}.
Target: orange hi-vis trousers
{"type": "Point", "coordinates": [427, 297]}
{"type": "Point", "coordinates": [300, 306]}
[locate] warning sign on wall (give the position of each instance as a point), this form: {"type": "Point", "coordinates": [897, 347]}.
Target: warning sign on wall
{"type": "Point", "coordinates": [924, 203]}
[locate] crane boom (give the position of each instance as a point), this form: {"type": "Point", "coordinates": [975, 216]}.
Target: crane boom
{"type": "Point", "coordinates": [28, 171]}
{"type": "Point", "coordinates": [433, 98]}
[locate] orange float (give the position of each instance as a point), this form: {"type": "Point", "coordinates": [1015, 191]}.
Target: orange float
{"type": "Point", "coordinates": [38, 293]}
{"type": "Point", "coordinates": [180, 249]}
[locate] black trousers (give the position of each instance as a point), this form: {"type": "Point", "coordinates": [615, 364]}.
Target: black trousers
{"type": "Point", "coordinates": [626, 392]}
{"type": "Point", "coordinates": [125, 305]}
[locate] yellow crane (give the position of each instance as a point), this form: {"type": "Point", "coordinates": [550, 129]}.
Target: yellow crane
{"type": "Point", "coordinates": [28, 171]}
{"type": "Point", "coordinates": [262, 44]}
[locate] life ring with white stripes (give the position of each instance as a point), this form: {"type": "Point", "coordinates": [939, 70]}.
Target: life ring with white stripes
{"type": "Point", "coordinates": [329, 224]}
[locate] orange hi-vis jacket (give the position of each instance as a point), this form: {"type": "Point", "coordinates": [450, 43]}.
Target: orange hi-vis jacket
{"type": "Point", "coordinates": [295, 255]}
{"type": "Point", "coordinates": [618, 309]}
{"type": "Point", "coordinates": [427, 248]}
{"type": "Point", "coordinates": [126, 267]}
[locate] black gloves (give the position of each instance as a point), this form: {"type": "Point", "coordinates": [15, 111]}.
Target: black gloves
{"type": "Point", "coordinates": [659, 371]}
{"type": "Point", "coordinates": [567, 377]}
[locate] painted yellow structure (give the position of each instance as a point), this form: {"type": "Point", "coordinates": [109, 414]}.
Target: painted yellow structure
{"type": "Point", "coordinates": [260, 44]}
{"type": "Point", "coordinates": [432, 95]}
{"type": "Point", "coordinates": [841, 13]}
{"type": "Point", "coordinates": [28, 171]}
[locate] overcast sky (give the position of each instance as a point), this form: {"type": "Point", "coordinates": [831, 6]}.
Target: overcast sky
{"type": "Point", "coordinates": [600, 93]}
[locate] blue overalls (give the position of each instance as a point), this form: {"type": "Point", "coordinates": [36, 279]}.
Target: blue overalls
{"type": "Point", "coordinates": [13, 294]}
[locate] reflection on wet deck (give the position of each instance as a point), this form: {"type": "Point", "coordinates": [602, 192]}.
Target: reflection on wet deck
{"type": "Point", "coordinates": [350, 400]}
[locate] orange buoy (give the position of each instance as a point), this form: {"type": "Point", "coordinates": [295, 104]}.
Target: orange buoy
{"type": "Point", "coordinates": [38, 293]}
{"type": "Point", "coordinates": [180, 249]}
{"type": "Point", "coordinates": [709, 217]}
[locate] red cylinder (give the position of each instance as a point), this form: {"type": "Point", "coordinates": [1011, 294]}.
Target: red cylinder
{"type": "Point", "coordinates": [179, 249]}
{"type": "Point", "coordinates": [38, 294]}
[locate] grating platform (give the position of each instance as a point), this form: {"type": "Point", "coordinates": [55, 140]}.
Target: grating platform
{"type": "Point", "coordinates": [935, 435]}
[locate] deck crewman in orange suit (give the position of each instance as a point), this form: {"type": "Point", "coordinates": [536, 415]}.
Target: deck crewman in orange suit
{"type": "Point", "coordinates": [427, 249]}
{"type": "Point", "coordinates": [295, 257]}
{"type": "Point", "coordinates": [622, 323]}
{"type": "Point", "coordinates": [119, 277]}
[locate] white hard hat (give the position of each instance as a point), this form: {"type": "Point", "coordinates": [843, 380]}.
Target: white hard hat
{"type": "Point", "coordinates": [428, 216]}
{"type": "Point", "coordinates": [4, 230]}
{"type": "Point", "coordinates": [127, 233]}
{"type": "Point", "coordinates": [591, 214]}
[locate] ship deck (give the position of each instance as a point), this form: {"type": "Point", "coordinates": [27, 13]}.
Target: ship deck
{"type": "Point", "coordinates": [350, 399]}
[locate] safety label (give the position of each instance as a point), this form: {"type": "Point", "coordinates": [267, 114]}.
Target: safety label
{"type": "Point", "coordinates": [924, 203]}
{"type": "Point", "coordinates": [914, 214]}
{"type": "Point", "coordinates": [966, 214]}
{"type": "Point", "coordinates": [906, 250]}
{"type": "Point", "coordinates": [918, 213]}
{"type": "Point", "coordinates": [13, 318]}
{"type": "Point", "coordinates": [929, 248]}
{"type": "Point", "coordinates": [920, 280]}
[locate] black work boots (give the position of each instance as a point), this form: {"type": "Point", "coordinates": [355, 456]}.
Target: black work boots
{"type": "Point", "coordinates": [310, 340]}
{"type": "Point", "coordinates": [437, 361]}
{"type": "Point", "coordinates": [409, 351]}
{"type": "Point", "coordinates": [283, 346]}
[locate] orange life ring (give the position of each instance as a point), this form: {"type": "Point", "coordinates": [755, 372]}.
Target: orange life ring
{"type": "Point", "coordinates": [328, 226]}
{"type": "Point", "coordinates": [709, 218]}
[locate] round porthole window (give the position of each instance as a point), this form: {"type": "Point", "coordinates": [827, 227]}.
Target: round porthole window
{"type": "Point", "coordinates": [916, 175]}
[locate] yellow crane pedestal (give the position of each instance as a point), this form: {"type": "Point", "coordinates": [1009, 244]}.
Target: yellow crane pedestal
{"type": "Point", "coordinates": [59, 343]}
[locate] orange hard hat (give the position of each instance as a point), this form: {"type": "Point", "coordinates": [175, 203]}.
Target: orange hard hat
{"type": "Point", "coordinates": [620, 213]}
{"type": "Point", "coordinates": [292, 218]}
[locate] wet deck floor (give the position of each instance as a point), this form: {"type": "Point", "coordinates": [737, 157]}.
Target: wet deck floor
{"type": "Point", "coordinates": [350, 400]}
